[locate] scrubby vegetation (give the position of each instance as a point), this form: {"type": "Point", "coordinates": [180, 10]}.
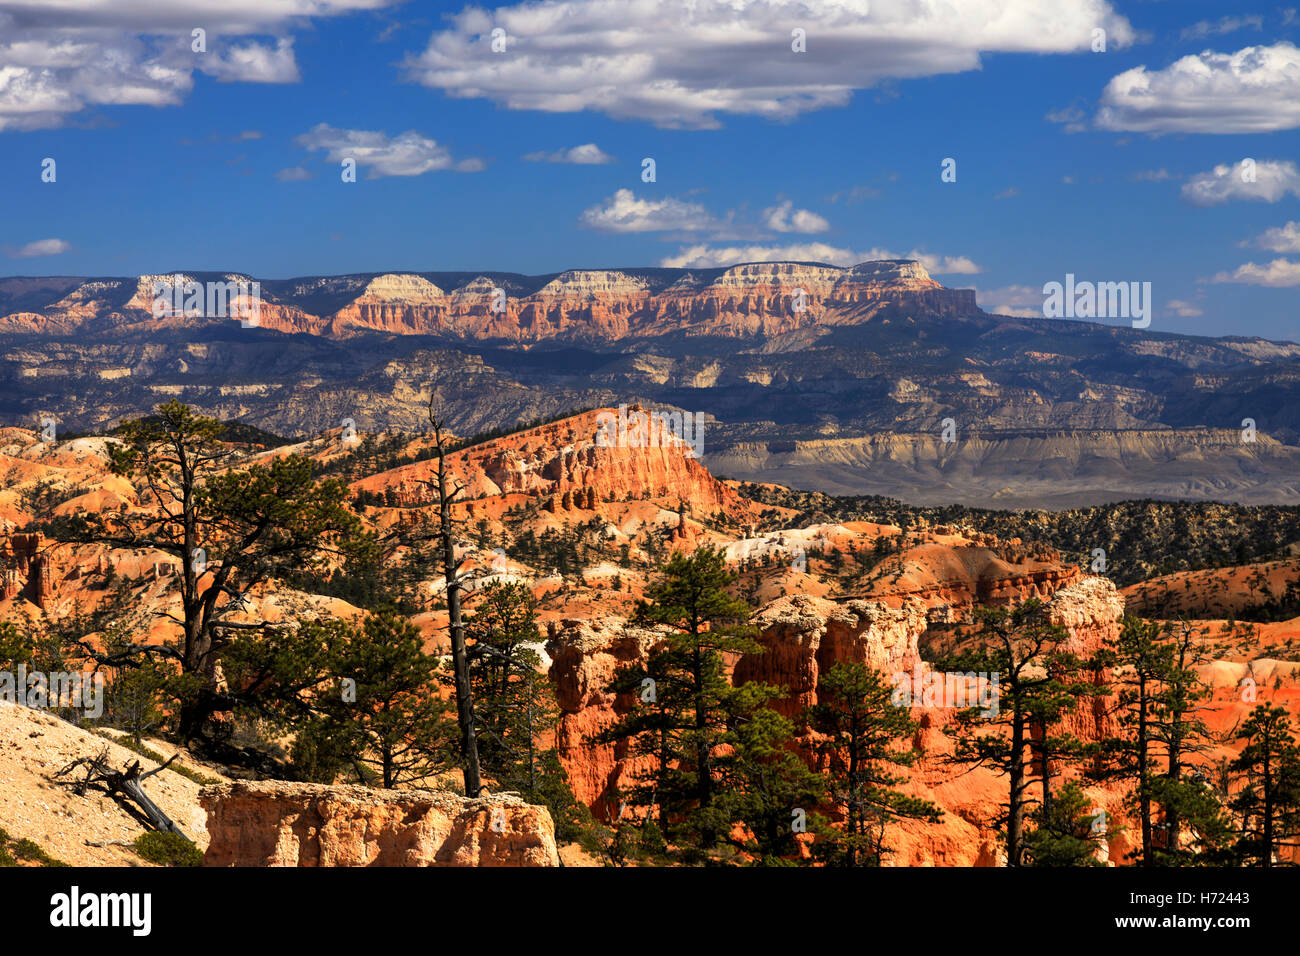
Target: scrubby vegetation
{"type": "Point", "coordinates": [167, 849]}
{"type": "Point", "coordinates": [24, 852]}
{"type": "Point", "coordinates": [1142, 539]}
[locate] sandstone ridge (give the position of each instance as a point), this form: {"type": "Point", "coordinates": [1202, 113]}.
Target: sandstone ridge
{"type": "Point", "coordinates": [305, 824]}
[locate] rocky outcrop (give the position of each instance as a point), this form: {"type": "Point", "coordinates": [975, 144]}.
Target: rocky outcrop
{"type": "Point", "coordinates": [1092, 610]}
{"type": "Point", "coordinates": [305, 824]}
{"type": "Point", "coordinates": [803, 637]}
{"type": "Point", "coordinates": [25, 569]}
{"type": "Point", "coordinates": [584, 660]}
{"type": "Point", "coordinates": [571, 465]}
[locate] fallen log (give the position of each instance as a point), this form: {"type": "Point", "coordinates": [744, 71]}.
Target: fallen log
{"type": "Point", "coordinates": [124, 784]}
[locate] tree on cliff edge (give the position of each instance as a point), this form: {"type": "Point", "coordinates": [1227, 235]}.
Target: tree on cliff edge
{"type": "Point", "coordinates": [381, 712]}
{"type": "Point", "coordinates": [684, 694]}
{"type": "Point", "coordinates": [232, 531]}
{"type": "Point", "coordinates": [515, 711]}
{"type": "Point", "coordinates": [1035, 688]}
{"type": "Point", "coordinates": [861, 728]}
{"type": "Point", "coordinates": [445, 534]}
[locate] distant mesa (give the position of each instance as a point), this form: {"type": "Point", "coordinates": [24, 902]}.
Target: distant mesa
{"type": "Point", "coordinates": [580, 305]}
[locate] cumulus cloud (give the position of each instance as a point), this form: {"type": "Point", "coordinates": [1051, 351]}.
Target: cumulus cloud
{"type": "Point", "coordinates": [1280, 273]}
{"type": "Point", "coordinates": [293, 174]}
{"type": "Point", "coordinates": [1280, 238]}
{"type": "Point", "coordinates": [708, 257]}
{"type": "Point", "coordinates": [683, 65]}
{"type": "Point", "coordinates": [1255, 90]}
{"type": "Point", "coordinates": [785, 218]}
{"type": "Point", "coordinates": [1021, 301]}
{"type": "Point", "coordinates": [1266, 180]}
{"type": "Point", "coordinates": [409, 154]}
{"type": "Point", "coordinates": [41, 247]}
{"type": "Point", "coordinates": [60, 58]}
{"type": "Point", "coordinates": [253, 63]}
{"type": "Point", "coordinates": [624, 212]}
{"type": "Point", "coordinates": [588, 154]}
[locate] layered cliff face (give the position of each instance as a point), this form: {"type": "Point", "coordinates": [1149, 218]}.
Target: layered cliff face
{"type": "Point", "coordinates": [577, 463]}
{"type": "Point", "coordinates": [1069, 468]}
{"type": "Point", "coordinates": [579, 305]}
{"type": "Point", "coordinates": [584, 659]}
{"type": "Point", "coordinates": [803, 637]}
{"type": "Point", "coordinates": [304, 824]}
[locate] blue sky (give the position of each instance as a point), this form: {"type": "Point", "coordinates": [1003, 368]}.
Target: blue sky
{"type": "Point", "coordinates": [1067, 159]}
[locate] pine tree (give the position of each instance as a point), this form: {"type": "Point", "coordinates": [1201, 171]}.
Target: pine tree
{"type": "Point", "coordinates": [386, 718]}
{"type": "Point", "coordinates": [1038, 682]}
{"type": "Point", "coordinates": [1157, 703]}
{"type": "Point", "coordinates": [1189, 803]}
{"type": "Point", "coordinates": [515, 711]}
{"type": "Point", "coordinates": [862, 728]}
{"type": "Point", "coordinates": [1065, 831]}
{"type": "Point", "coordinates": [232, 531]}
{"type": "Point", "coordinates": [683, 692]}
{"type": "Point", "coordinates": [764, 786]}
{"type": "Point", "coordinates": [1269, 800]}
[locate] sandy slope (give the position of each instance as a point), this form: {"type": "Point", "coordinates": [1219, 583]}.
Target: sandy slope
{"type": "Point", "coordinates": [34, 746]}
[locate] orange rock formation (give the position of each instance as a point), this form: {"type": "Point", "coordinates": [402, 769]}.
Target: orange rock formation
{"type": "Point", "coordinates": [306, 824]}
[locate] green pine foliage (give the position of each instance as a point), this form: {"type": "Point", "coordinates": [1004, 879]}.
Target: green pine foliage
{"type": "Point", "coordinates": [860, 728]}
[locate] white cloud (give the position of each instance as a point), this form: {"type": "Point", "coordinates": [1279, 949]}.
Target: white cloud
{"type": "Point", "coordinates": [1183, 309]}
{"type": "Point", "coordinates": [588, 154]}
{"type": "Point", "coordinates": [41, 247]}
{"type": "Point", "coordinates": [785, 218]}
{"type": "Point", "coordinates": [1280, 273]}
{"type": "Point", "coordinates": [624, 212]}
{"type": "Point", "coordinates": [253, 63]}
{"type": "Point", "coordinates": [1280, 238]}
{"type": "Point", "coordinates": [60, 57]}
{"type": "Point", "coordinates": [409, 154]}
{"type": "Point", "coordinates": [1255, 90]}
{"type": "Point", "coordinates": [1072, 117]}
{"type": "Point", "coordinates": [1226, 24]}
{"type": "Point", "coordinates": [1152, 175]}
{"type": "Point", "coordinates": [293, 174]}
{"type": "Point", "coordinates": [1022, 301]}
{"type": "Point", "coordinates": [708, 257]}
{"type": "Point", "coordinates": [1269, 181]}
{"type": "Point", "coordinates": [683, 64]}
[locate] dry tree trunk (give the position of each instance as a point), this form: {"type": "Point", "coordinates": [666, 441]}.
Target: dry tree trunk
{"type": "Point", "coordinates": [127, 784]}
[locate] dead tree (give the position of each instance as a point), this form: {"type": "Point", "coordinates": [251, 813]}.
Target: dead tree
{"type": "Point", "coordinates": [121, 785]}
{"type": "Point", "coordinates": [456, 626]}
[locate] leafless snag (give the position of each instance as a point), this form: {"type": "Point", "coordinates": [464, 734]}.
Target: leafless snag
{"type": "Point", "coordinates": [122, 785]}
{"type": "Point", "coordinates": [451, 573]}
